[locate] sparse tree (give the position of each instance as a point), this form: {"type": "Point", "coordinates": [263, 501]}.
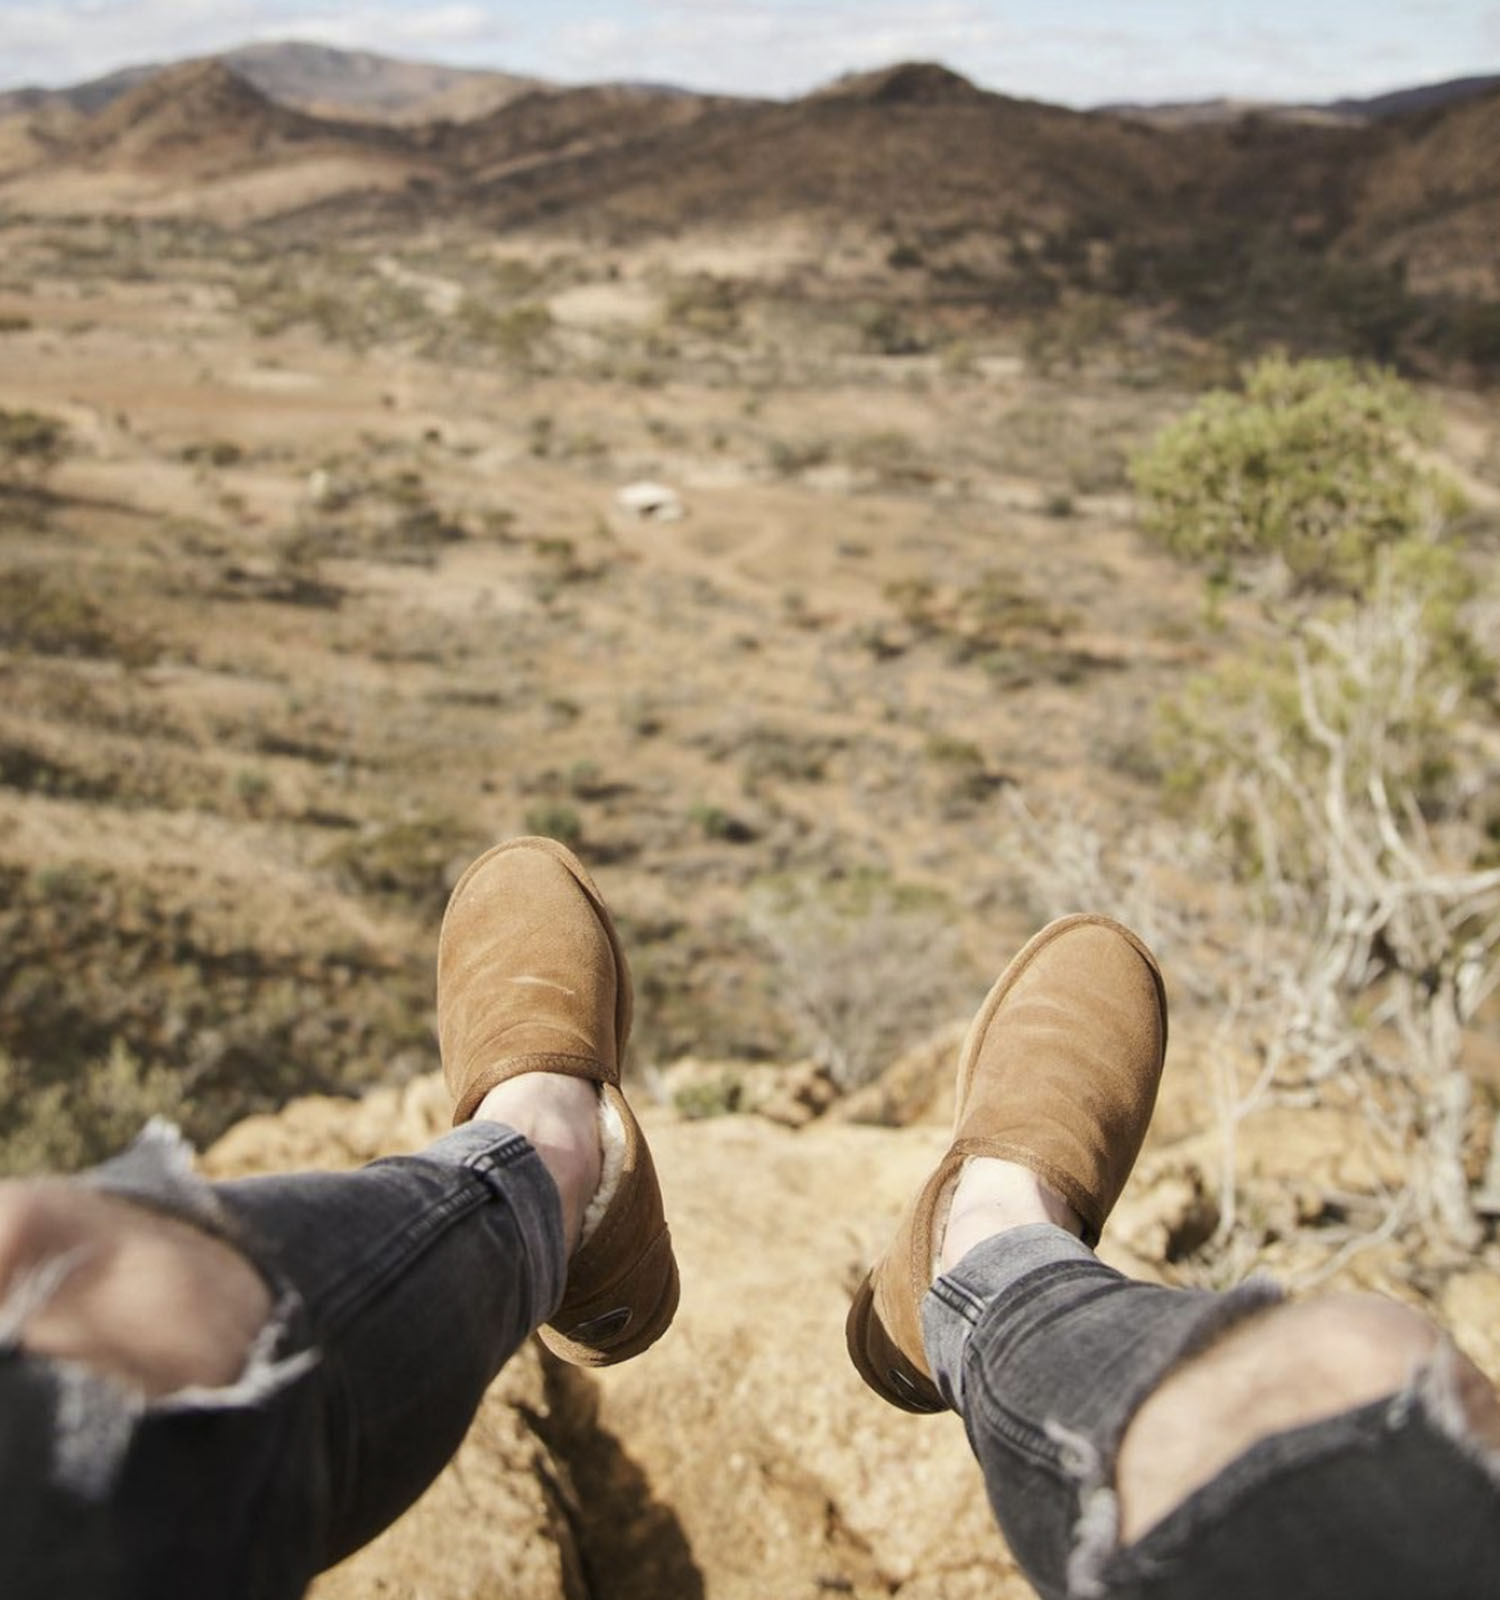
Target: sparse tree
{"type": "Point", "coordinates": [862, 977]}
{"type": "Point", "coordinates": [1316, 465]}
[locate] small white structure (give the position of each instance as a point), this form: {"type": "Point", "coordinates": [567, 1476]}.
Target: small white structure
{"type": "Point", "coordinates": [653, 502]}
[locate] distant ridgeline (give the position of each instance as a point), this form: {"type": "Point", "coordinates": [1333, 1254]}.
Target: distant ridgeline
{"type": "Point", "coordinates": [1369, 228]}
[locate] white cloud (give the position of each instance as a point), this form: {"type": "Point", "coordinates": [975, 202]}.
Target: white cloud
{"type": "Point", "coordinates": [1265, 51]}
{"type": "Point", "coordinates": [373, 27]}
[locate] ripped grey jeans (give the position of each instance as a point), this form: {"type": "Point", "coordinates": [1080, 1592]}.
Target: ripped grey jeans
{"type": "Point", "coordinates": [401, 1291]}
{"type": "Point", "coordinates": [404, 1287]}
{"type": "Point", "coordinates": [1047, 1353]}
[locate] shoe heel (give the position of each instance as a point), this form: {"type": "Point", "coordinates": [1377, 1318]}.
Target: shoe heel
{"type": "Point", "coordinates": [881, 1364]}
{"type": "Point", "coordinates": [654, 1279]}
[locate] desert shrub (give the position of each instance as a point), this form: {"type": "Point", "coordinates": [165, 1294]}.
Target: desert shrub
{"type": "Point", "coordinates": [788, 457]}
{"type": "Point", "coordinates": [555, 820]}
{"type": "Point", "coordinates": [515, 334]}
{"type": "Point", "coordinates": [1345, 766]}
{"type": "Point", "coordinates": [705, 305]}
{"type": "Point", "coordinates": [94, 962]}
{"type": "Point", "coordinates": [716, 823]}
{"type": "Point", "coordinates": [966, 776]}
{"type": "Point", "coordinates": [48, 618]}
{"type": "Point", "coordinates": [1375, 693]}
{"type": "Point", "coordinates": [893, 459]}
{"type": "Point", "coordinates": [213, 453]}
{"type": "Point", "coordinates": [863, 970]}
{"type": "Point", "coordinates": [67, 1125]}
{"type": "Point", "coordinates": [1067, 334]}
{"type": "Point", "coordinates": [1313, 464]}
{"type": "Point", "coordinates": [889, 331]}
{"type": "Point", "coordinates": [414, 861]}
{"type": "Point", "coordinates": [1351, 777]}
{"type": "Point", "coordinates": [337, 296]}
{"type": "Point", "coordinates": [773, 755]}
{"type": "Point", "coordinates": [34, 769]}
{"type": "Point", "coordinates": [720, 1096]}
{"type": "Point", "coordinates": [30, 443]}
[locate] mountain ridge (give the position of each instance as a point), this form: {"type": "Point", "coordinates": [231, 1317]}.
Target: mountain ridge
{"type": "Point", "coordinates": [326, 80]}
{"type": "Point", "coordinates": [318, 79]}
{"type": "Point", "coordinates": [980, 199]}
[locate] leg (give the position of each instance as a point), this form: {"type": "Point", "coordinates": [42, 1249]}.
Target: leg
{"type": "Point", "coordinates": [267, 1431]}
{"type": "Point", "coordinates": [223, 1390]}
{"type": "Point", "coordinates": [1139, 1441]}
{"type": "Point", "coordinates": [1145, 1442]}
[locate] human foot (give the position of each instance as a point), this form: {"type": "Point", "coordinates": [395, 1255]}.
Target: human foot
{"type": "Point", "coordinates": [1056, 1083]}
{"type": "Point", "coordinates": [534, 1009]}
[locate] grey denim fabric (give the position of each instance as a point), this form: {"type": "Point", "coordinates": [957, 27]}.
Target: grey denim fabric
{"type": "Point", "coordinates": [1047, 1353]}
{"type": "Point", "coordinates": [401, 1290]}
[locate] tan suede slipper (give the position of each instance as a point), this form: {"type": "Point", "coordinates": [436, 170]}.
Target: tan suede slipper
{"type": "Point", "coordinates": [531, 978]}
{"type": "Point", "coordinates": [1058, 1073]}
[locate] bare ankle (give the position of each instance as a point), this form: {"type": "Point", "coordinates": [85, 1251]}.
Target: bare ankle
{"type": "Point", "coordinates": [559, 1115]}
{"type": "Point", "coordinates": [991, 1197]}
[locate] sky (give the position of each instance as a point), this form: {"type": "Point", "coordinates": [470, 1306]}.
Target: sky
{"type": "Point", "coordinates": [1075, 52]}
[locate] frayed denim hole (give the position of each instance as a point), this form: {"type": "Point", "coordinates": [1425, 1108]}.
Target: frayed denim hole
{"type": "Point", "coordinates": [1433, 1394]}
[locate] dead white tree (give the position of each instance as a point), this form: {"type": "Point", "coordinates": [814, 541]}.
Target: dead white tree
{"type": "Point", "coordinates": [859, 982]}
{"type": "Point", "coordinates": [1368, 939]}
{"type": "Point", "coordinates": [1401, 932]}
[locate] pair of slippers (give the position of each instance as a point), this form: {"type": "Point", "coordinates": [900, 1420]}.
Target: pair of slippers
{"type": "Point", "coordinates": [1058, 1073]}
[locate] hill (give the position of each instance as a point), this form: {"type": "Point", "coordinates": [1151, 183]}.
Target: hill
{"type": "Point", "coordinates": [29, 138]}
{"type": "Point", "coordinates": [1429, 199]}
{"type": "Point", "coordinates": [313, 78]}
{"type": "Point", "coordinates": [1329, 230]}
{"type": "Point", "coordinates": [555, 125]}
{"type": "Point", "coordinates": [363, 85]}
{"type": "Point", "coordinates": [909, 150]}
{"type": "Point", "coordinates": [190, 120]}
{"type": "Point", "coordinates": [1425, 97]}
{"type": "Point", "coordinates": [1373, 108]}
{"type": "Point", "coordinates": [202, 120]}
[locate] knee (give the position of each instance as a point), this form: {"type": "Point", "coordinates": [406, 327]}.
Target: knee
{"type": "Point", "coordinates": [1292, 1365]}
{"type": "Point", "coordinates": [150, 1301]}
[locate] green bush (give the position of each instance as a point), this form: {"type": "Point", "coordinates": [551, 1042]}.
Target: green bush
{"type": "Point", "coordinates": [413, 862]}
{"type": "Point", "coordinates": [515, 334]}
{"type": "Point", "coordinates": [1314, 463]}
{"type": "Point", "coordinates": [554, 820]}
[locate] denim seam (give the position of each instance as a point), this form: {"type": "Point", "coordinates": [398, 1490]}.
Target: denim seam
{"type": "Point", "coordinates": [958, 1300]}
{"type": "Point", "coordinates": [512, 1153]}
{"type": "Point", "coordinates": [541, 1238]}
{"type": "Point", "coordinates": [1024, 1435]}
{"type": "Point", "coordinates": [365, 1279]}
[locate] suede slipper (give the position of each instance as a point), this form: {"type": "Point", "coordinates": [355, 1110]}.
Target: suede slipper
{"type": "Point", "coordinates": [531, 978]}
{"type": "Point", "coordinates": [1058, 1073]}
